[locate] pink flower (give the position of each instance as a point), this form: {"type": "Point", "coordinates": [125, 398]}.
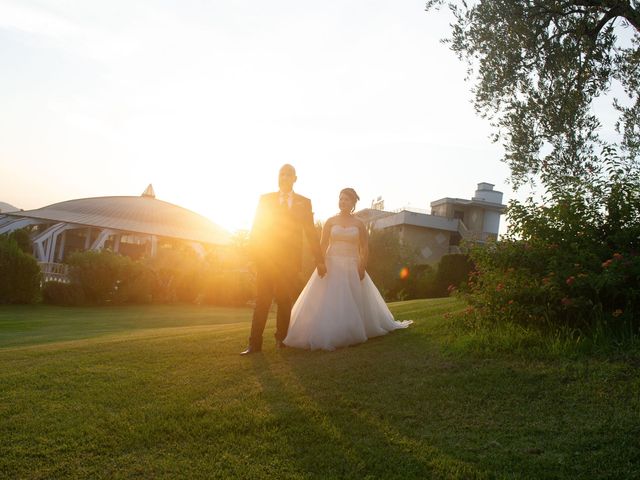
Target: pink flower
{"type": "Point", "coordinates": [570, 280]}
{"type": "Point", "coordinates": [607, 264]}
{"type": "Point", "coordinates": [499, 287]}
{"type": "Point", "coordinates": [566, 301]}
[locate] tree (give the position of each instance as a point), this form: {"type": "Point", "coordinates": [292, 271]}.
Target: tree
{"type": "Point", "coordinates": [539, 65]}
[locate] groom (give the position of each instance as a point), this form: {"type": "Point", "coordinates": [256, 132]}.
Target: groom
{"type": "Point", "coordinates": [276, 248]}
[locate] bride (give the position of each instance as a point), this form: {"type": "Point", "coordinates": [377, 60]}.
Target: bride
{"type": "Point", "coordinates": [344, 307]}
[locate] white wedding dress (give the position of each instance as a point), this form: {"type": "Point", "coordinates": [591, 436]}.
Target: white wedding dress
{"type": "Point", "coordinates": [340, 310]}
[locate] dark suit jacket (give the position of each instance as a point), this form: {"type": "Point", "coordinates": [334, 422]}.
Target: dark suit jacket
{"type": "Point", "coordinates": [276, 236]}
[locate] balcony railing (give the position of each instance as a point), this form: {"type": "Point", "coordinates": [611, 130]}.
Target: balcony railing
{"type": "Point", "coordinates": [54, 272]}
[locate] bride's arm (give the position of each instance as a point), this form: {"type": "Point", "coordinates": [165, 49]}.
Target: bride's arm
{"type": "Point", "coordinates": [364, 249]}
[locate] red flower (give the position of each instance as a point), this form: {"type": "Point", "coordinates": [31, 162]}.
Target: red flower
{"type": "Point", "coordinates": [607, 264]}
{"type": "Point", "coordinates": [566, 301]}
{"type": "Point", "coordinates": [617, 256]}
{"type": "Point", "coordinates": [570, 280]}
{"type": "Point", "coordinates": [499, 287]}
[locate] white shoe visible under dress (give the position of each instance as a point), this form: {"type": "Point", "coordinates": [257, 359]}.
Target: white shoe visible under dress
{"type": "Point", "coordinates": [340, 309]}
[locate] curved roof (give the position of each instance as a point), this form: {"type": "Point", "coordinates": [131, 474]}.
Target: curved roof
{"type": "Point", "coordinates": [145, 215]}
{"type": "Point", "coordinates": [7, 207]}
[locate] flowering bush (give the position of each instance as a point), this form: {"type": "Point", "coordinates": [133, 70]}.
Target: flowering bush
{"type": "Point", "coordinates": [549, 285]}
{"type": "Point", "coordinates": [573, 263]}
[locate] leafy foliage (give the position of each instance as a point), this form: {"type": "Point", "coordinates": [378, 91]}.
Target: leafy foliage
{"type": "Point", "coordinates": [570, 260]}
{"type": "Point", "coordinates": [66, 294]}
{"type": "Point", "coordinates": [538, 67]}
{"type": "Point", "coordinates": [574, 263]}
{"type": "Point", "coordinates": [97, 273]}
{"type": "Point", "coordinates": [19, 273]}
{"type": "Point", "coordinates": [21, 237]}
{"type": "Point", "coordinates": [173, 275]}
{"type": "Point", "coordinates": [453, 271]}
{"type": "Point", "coordinates": [387, 259]}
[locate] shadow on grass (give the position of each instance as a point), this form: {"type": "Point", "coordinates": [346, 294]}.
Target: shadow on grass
{"type": "Point", "coordinates": [334, 434]}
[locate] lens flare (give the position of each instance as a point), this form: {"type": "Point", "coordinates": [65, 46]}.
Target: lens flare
{"type": "Point", "coordinates": [404, 273]}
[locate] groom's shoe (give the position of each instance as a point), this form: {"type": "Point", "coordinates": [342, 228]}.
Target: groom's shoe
{"type": "Point", "coordinates": [280, 344]}
{"type": "Point", "coordinates": [251, 349]}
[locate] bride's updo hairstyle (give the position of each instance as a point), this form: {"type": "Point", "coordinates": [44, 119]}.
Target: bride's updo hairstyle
{"type": "Point", "coordinates": [351, 193]}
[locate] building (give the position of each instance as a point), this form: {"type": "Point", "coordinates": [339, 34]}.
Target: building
{"type": "Point", "coordinates": [133, 226]}
{"type": "Point", "coordinates": [450, 221]}
{"type": "Point", "coordinates": [6, 207]}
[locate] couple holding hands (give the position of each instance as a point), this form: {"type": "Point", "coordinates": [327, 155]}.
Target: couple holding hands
{"type": "Point", "coordinates": [340, 305]}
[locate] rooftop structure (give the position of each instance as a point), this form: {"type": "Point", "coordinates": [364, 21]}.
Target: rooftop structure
{"type": "Point", "coordinates": [451, 220]}
{"type": "Point", "coordinates": [7, 207]}
{"type": "Point", "coordinates": [128, 225]}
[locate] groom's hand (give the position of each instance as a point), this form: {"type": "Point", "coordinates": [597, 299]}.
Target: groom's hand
{"type": "Point", "coordinates": [322, 270]}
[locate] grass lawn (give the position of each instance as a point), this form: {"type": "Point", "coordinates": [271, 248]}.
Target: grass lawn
{"type": "Point", "coordinates": [161, 392]}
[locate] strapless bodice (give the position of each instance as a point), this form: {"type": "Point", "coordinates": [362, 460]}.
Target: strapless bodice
{"type": "Point", "coordinates": [344, 241]}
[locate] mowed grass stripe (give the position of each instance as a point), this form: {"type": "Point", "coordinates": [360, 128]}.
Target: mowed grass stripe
{"type": "Point", "coordinates": [26, 325]}
{"type": "Point", "coordinates": [152, 404]}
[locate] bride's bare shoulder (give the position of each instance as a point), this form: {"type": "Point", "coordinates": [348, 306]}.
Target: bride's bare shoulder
{"type": "Point", "coordinates": [330, 221]}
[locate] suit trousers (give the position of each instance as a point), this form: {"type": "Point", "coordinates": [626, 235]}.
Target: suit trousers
{"type": "Point", "coordinates": [278, 284]}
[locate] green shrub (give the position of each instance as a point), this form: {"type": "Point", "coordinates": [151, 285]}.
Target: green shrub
{"type": "Point", "coordinates": [58, 293]}
{"type": "Point", "coordinates": [572, 264]}
{"type": "Point", "coordinates": [391, 265]}
{"type": "Point", "coordinates": [453, 271]}
{"type": "Point", "coordinates": [98, 274]}
{"type": "Point", "coordinates": [21, 237]}
{"type": "Point", "coordinates": [176, 274]}
{"type": "Point", "coordinates": [19, 274]}
{"type": "Point", "coordinates": [136, 283]}
{"type": "Point", "coordinates": [228, 288]}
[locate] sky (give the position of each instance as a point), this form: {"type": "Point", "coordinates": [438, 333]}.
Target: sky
{"type": "Point", "coordinates": [205, 100]}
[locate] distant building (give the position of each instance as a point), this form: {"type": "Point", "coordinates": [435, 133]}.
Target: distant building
{"type": "Point", "coordinates": [450, 221]}
{"type": "Point", "coordinates": [6, 207]}
{"type": "Point", "coordinates": [133, 226]}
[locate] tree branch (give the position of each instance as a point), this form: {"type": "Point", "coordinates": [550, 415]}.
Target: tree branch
{"type": "Point", "coordinates": [621, 8]}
